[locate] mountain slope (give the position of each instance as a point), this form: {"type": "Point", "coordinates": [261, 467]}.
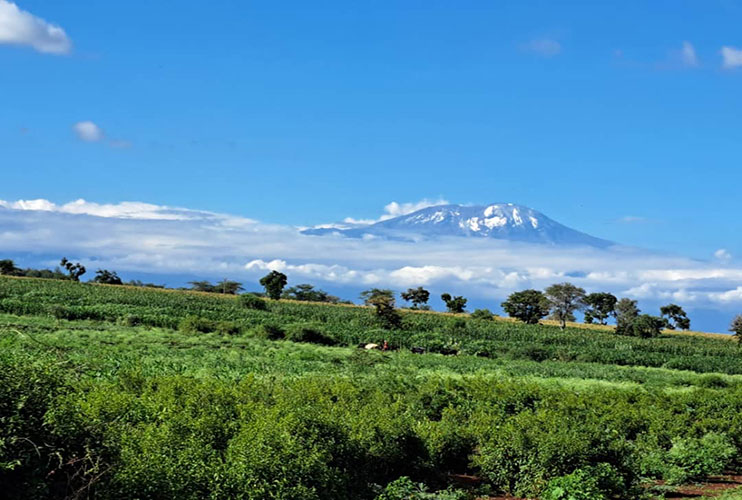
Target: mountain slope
{"type": "Point", "coordinates": [505, 221]}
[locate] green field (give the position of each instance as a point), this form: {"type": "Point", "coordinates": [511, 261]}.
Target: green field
{"type": "Point", "coordinates": [123, 392]}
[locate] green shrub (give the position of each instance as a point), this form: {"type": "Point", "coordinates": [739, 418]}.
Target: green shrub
{"type": "Point", "coordinates": [269, 332]}
{"type": "Point", "coordinates": [130, 320]}
{"type": "Point", "coordinates": [307, 332]}
{"type": "Point", "coordinates": [597, 482]}
{"type": "Point", "coordinates": [693, 459]}
{"type": "Point", "coordinates": [404, 489]}
{"type": "Point", "coordinates": [195, 324]}
{"type": "Point", "coordinates": [227, 328]}
{"type": "Point", "coordinates": [484, 314]}
{"type": "Point", "coordinates": [252, 301]}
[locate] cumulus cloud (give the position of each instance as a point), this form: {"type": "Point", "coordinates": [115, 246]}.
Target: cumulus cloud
{"type": "Point", "coordinates": [88, 131]}
{"type": "Point", "coordinates": [546, 47]}
{"type": "Point", "coordinates": [18, 27]}
{"type": "Point", "coordinates": [391, 210]}
{"type": "Point", "coordinates": [731, 57]}
{"type": "Point", "coordinates": [142, 237]}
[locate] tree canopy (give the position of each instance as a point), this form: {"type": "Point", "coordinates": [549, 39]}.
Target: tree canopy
{"type": "Point", "coordinates": [564, 300]}
{"type": "Point", "coordinates": [528, 306]}
{"type": "Point", "coordinates": [273, 282]}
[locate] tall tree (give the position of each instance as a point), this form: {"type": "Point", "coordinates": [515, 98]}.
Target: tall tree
{"type": "Point", "coordinates": [372, 296]}
{"type": "Point", "coordinates": [626, 313]}
{"type": "Point", "coordinates": [418, 296]}
{"type": "Point", "coordinates": [736, 328]}
{"type": "Point", "coordinates": [564, 300]}
{"type": "Point", "coordinates": [7, 268]}
{"type": "Point", "coordinates": [74, 271]}
{"type": "Point", "coordinates": [455, 305]}
{"type": "Point", "coordinates": [528, 306]}
{"type": "Point", "coordinates": [599, 307]}
{"type": "Point", "coordinates": [675, 317]}
{"type": "Point", "coordinates": [273, 282]}
{"type": "Point", "coordinates": [383, 303]}
{"type": "Point", "coordinates": [647, 326]}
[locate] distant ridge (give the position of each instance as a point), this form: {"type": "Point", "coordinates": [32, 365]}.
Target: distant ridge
{"type": "Point", "coordinates": [504, 221]}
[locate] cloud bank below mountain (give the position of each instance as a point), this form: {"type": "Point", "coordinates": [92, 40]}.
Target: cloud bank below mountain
{"type": "Point", "coordinates": [145, 238]}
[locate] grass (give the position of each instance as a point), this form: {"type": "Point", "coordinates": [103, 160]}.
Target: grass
{"type": "Point", "coordinates": [120, 402]}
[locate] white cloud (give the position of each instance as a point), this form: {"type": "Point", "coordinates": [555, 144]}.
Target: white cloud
{"type": "Point", "coordinates": [88, 131]}
{"type": "Point", "coordinates": [391, 210]}
{"type": "Point", "coordinates": [142, 237]}
{"type": "Point", "coordinates": [19, 27]}
{"type": "Point", "coordinates": [546, 47]}
{"type": "Point", "coordinates": [723, 255]}
{"type": "Point", "coordinates": [731, 57]}
{"type": "Point", "coordinates": [688, 55]}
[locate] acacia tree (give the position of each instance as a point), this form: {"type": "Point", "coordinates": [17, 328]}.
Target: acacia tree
{"type": "Point", "coordinates": [564, 300]}
{"type": "Point", "coordinates": [455, 305]}
{"type": "Point", "coordinates": [74, 271]}
{"type": "Point", "coordinates": [273, 282]}
{"type": "Point", "coordinates": [736, 328]}
{"type": "Point", "coordinates": [599, 307]}
{"type": "Point", "coordinates": [107, 277]}
{"type": "Point", "coordinates": [529, 306]}
{"type": "Point", "coordinates": [418, 296]}
{"type": "Point", "coordinates": [626, 313]}
{"type": "Point", "coordinates": [675, 317]}
{"type": "Point", "coordinates": [307, 293]}
{"type": "Point", "coordinates": [383, 302]}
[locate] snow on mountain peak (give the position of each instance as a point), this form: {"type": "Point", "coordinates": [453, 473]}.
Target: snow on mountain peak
{"type": "Point", "coordinates": [506, 221]}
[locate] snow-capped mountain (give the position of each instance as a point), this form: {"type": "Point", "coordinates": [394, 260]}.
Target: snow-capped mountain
{"type": "Point", "coordinates": [505, 221]}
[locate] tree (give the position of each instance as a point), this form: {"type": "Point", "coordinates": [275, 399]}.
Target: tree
{"type": "Point", "coordinates": [599, 307]}
{"type": "Point", "coordinates": [383, 302]}
{"type": "Point", "coordinates": [228, 287]}
{"type": "Point", "coordinates": [201, 286]}
{"type": "Point", "coordinates": [675, 317]}
{"type": "Point", "coordinates": [273, 282]}
{"type": "Point", "coordinates": [736, 327]}
{"type": "Point", "coordinates": [455, 305]}
{"type": "Point", "coordinates": [626, 313]}
{"type": "Point", "coordinates": [7, 268]}
{"type": "Point", "coordinates": [418, 296]}
{"type": "Point", "coordinates": [307, 293]}
{"type": "Point", "coordinates": [647, 326]}
{"type": "Point", "coordinates": [107, 277]}
{"type": "Point", "coordinates": [564, 300]}
{"type": "Point", "coordinates": [529, 306]}
{"type": "Point", "coordinates": [372, 296]}
{"type": "Point", "coordinates": [74, 271]}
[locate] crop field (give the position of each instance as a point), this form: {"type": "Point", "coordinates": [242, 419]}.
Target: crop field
{"type": "Point", "coordinates": [126, 392]}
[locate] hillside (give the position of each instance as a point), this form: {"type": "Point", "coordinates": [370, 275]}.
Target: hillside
{"type": "Point", "coordinates": [160, 393]}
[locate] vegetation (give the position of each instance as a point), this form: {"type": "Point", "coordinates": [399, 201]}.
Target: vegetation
{"type": "Point", "coordinates": [529, 306]}
{"type": "Point", "coordinates": [599, 307]}
{"type": "Point", "coordinates": [564, 299]}
{"type": "Point", "coordinates": [74, 270]}
{"type": "Point", "coordinates": [106, 277]}
{"type": "Point", "coordinates": [225, 286]}
{"type": "Point", "coordinates": [675, 317]}
{"type": "Point", "coordinates": [274, 282]}
{"type": "Point", "coordinates": [307, 293]}
{"type": "Point", "coordinates": [455, 305]}
{"type": "Point", "coordinates": [122, 391]}
{"type": "Point", "coordinates": [418, 296]}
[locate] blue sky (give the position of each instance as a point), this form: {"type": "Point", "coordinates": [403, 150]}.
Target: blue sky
{"type": "Point", "coordinates": [303, 112]}
{"type": "Point", "coordinates": [619, 119]}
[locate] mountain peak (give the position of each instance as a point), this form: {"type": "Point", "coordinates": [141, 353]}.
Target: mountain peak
{"type": "Point", "coordinates": [504, 221]}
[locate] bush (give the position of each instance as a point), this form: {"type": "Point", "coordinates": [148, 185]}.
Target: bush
{"type": "Point", "coordinates": [194, 324]}
{"type": "Point", "coordinates": [252, 301]}
{"type": "Point", "coordinates": [227, 328]}
{"type": "Point", "coordinates": [130, 320]}
{"type": "Point", "coordinates": [589, 483]}
{"type": "Point", "coordinates": [306, 332]}
{"type": "Point", "coordinates": [484, 314]}
{"type": "Point", "coordinates": [269, 332]}
{"type": "Point", "coordinates": [693, 459]}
